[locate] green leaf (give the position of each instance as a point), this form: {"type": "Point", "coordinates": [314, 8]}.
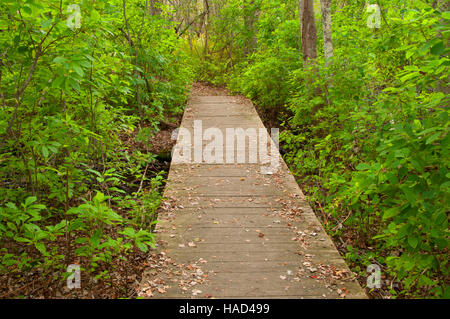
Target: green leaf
{"type": "Point", "coordinates": [425, 281]}
{"type": "Point", "coordinates": [130, 232]}
{"type": "Point", "coordinates": [41, 247]}
{"type": "Point", "coordinates": [409, 76]}
{"type": "Point", "coordinates": [30, 200]}
{"type": "Point", "coordinates": [391, 212]}
{"type": "Point", "coordinates": [22, 240]}
{"type": "Point", "coordinates": [95, 239]}
{"type": "Point", "coordinates": [81, 240]}
{"type": "Point", "coordinates": [432, 138]}
{"type": "Point", "coordinates": [413, 241]}
{"type": "Point", "coordinates": [27, 10]}
{"type": "Point", "coordinates": [143, 247]}
{"type": "Point", "coordinates": [44, 151]}
{"type": "Point", "coordinates": [11, 206]}
{"type": "Point", "coordinates": [95, 16]}
{"type": "Point", "coordinates": [77, 224]}
{"type": "Point", "coordinates": [99, 197]}
{"type": "Point", "coordinates": [445, 185]}
{"type": "Point", "coordinates": [438, 48]}
{"type": "Point", "coordinates": [410, 195]}
{"type": "Point", "coordinates": [441, 219]}
{"type": "Point", "coordinates": [78, 70]}
{"type": "Point", "coordinates": [58, 82]}
{"type": "Point", "coordinates": [363, 167]}
{"type": "Point", "coordinates": [59, 60]}
{"type": "Point", "coordinates": [410, 53]}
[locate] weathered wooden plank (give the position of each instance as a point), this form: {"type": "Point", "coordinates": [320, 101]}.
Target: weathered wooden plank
{"type": "Point", "coordinates": [252, 233]}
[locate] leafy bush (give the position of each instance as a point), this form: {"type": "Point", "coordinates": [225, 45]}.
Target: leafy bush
{"type": "Point", "coordinates": [70, 95]}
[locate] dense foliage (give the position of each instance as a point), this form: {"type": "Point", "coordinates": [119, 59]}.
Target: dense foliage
{"type": "Point", "coordinates": [76, 83]}
{"type": "Point", "coordinates": [368, 135]}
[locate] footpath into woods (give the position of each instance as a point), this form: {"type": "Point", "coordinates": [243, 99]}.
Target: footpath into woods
{"type": "Point", "coordinates": [240, 230]}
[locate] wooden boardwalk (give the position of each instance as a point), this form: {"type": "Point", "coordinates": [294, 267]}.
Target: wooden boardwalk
{"type": "Point", "coordinates": [231, 231]}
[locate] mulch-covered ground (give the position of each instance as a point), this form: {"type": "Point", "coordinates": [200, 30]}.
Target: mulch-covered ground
{"type": "Point", "coordinates": [204, 89]}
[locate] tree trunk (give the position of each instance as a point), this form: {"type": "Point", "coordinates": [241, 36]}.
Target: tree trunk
{"type": "Point", "coordinates": [250, 16]}
{"type": "Point", "coordinates": [154, 10]}
{"type": "Point", "coordinates": [300, 16]}
{"type": "Point", "coordinates": [309, 33]}
{"type": "Point", "coordinates": [205, 23]}
{"type": "Point", "coordinates": [327, 31]}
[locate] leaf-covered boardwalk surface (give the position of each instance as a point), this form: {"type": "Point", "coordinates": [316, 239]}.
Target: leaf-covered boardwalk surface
{"type": "Point", "coordinates": [232, 231]}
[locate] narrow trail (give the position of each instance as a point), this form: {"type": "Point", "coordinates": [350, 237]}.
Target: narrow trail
{"type": "Point", "coordinates": [239, 231]}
